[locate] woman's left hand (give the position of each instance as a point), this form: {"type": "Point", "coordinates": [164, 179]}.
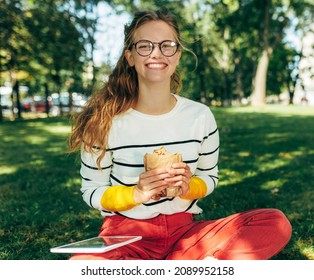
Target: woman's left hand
{"type": "Point", "coordinates": [181, 176]}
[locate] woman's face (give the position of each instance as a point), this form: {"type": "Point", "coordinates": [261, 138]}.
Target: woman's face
{"type": "Point", "coordinates": [155, 67]}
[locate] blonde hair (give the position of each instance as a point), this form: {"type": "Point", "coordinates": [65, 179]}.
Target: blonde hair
{"type": "Point", "coordinates": [91, 127]}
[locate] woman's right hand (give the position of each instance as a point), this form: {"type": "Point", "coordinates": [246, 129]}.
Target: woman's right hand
{"type": "Point", "coordinates": [151, 183]}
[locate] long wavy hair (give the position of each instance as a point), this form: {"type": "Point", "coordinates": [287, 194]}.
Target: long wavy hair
{"type": "Point", "coordinates": [120, 93]}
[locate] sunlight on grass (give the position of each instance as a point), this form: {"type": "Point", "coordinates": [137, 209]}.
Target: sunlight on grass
{"type": "Point", "coordinates": [306, 249]}
{"type": "Point", "coordinates": [56, 149]}
{"type": "Point", "coordinates": [267, 163]}
{"type": "Point", "coordinates": [55, 128]}
{"type": "Point", "coordinates": [228, 176]}
{"type": "Point", "coordinates": [284, 158]}
{"type": "Point", "coordinates": [29, 139]}
{"type": "Point", "coordinates": [274, 184]}
{"type": "Point", "coordinates": [38, 162]}
{"type": "Point", "coordinates": [73, 183]}
{"type": "Point", "coordinates": [35, 139]}
{"type": "Point", "coordinates": [276, 137]}
{"type": "Point", "coordinates": [7, 169]}
{"type": "Point", "coordinates": [58, 129]}
{"type": "Point", "coordinates": [290, 155]}
{"type": "Point", "coordinates": [280, 110]}
{"type": "Point", "coordinates": [244, 154]}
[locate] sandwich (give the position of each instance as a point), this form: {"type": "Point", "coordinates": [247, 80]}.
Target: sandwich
{"type": "Point", "coordinates": [160, 158]}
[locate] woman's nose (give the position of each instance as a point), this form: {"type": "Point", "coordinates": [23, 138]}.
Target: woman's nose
{"type": "Point", "coordinates": [156, 51]}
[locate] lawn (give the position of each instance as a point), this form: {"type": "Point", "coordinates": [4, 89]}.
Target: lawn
{"type": "Point", "coordinates": [266, 160]}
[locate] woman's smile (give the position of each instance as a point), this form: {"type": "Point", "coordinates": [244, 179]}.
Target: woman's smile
{"type": "Point", "coordinates": [156, 66]}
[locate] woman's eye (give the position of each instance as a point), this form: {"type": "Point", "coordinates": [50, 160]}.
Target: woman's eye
{"type": "Point", "coordinates": [145, 47]}
{"type": "Point", "coordinates": [166, 46]}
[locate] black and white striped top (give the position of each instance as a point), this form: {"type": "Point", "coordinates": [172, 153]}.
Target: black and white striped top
{"type": "Point", "coordinates": [189, 128]}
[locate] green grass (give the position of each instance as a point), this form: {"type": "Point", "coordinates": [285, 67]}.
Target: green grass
{"type": "Point", "coordinates": [266, 160]}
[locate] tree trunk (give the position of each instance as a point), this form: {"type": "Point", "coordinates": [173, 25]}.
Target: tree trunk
{"type": "Point", "coordinates": [260, 79]}
{"type": "Point", "coordinates": [70, 102]}
{"type": "Point", "coordinates": [16, 90]}
{"type": "Point", "coordinates": [198, 50]}
{"type": "Point", "coordinates": [1, 115]}
{"type": "Point", "coordinates": [239, 86]}
{"type": "Point", "coordinates": [226, 90]}
{"type": "Point", "coordinates": [46, 98]}
{"type": "Point", "coordinates": [203, 97]}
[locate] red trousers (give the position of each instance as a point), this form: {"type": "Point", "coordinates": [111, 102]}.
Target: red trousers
{"type": "Point", "coordinates": [252, 235]}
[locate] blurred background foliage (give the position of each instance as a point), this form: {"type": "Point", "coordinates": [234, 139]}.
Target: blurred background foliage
{"type": "Point", "coordinates": [244, 56]}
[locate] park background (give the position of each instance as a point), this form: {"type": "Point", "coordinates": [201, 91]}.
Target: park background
{"type": "Point", "coordinates": [254, 69]}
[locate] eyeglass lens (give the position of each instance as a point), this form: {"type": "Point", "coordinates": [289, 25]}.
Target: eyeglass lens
{"type": "Point", "coordinates": [145, 47]}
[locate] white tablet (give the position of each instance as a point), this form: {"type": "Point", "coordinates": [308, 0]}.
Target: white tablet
{"type": "Point", "coordinates": [98, 244]}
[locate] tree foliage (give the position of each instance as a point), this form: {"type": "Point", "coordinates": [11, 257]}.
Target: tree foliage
{"type": "Point", "coordinates": [240, 45]}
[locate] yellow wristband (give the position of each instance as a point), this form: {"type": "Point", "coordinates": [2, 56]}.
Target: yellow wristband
{"type": "Point", "coordinates": [118, 198]}
{"type": "Point", "coordinates": [197, 189]}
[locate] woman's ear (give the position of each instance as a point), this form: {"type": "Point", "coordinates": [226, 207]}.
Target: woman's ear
{"type": "Point", "coordinates": [129, 57]}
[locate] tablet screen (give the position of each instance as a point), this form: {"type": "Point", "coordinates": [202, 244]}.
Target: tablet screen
{"type": "Point", "coordinates": [98, 244]}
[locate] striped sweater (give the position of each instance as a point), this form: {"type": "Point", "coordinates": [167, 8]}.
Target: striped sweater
{"type": "Point", "coordinates": [189, 128]}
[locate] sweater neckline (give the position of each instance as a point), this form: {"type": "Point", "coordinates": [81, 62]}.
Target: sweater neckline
{"type": "Point", "coordinates": [161, 116]}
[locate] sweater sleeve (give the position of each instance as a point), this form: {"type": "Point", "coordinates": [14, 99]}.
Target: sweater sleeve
{"type": "Point", "coordinates": [95, 182]}
{"type": "Point", "coordinates": [207, 168]}
{"type": "Point", "coordinates": [118, 198]}
{"type": "Point", "coordinates": [198, 189]}
{"type": "Point", "coordinates": [97, 188]}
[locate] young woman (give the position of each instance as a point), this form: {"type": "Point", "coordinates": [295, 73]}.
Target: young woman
{"type": "Point", "coordinates": [138, 111]}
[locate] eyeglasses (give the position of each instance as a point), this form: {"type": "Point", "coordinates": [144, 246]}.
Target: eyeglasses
{"type": "Point", "coordinates": [145, 47]}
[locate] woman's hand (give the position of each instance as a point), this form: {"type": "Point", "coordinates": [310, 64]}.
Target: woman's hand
{"type": "Point", "coordinates": [151, 183]}
{"type": "Point", "coordinates": [180, 175]}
